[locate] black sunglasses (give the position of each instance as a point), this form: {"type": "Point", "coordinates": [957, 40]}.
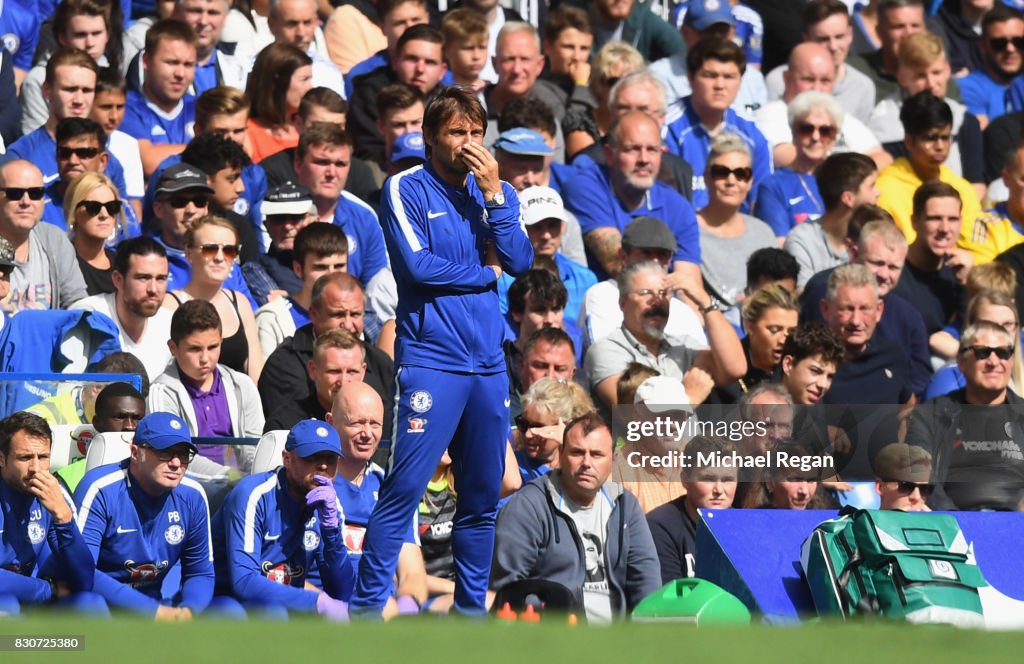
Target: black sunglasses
{"type": "Point", "coordinates": [92, 208]}
{"type": "Point", "coordinates": [908, 487]}
{"type": "Point", "coordinates": [186, 456]}
{"type": "Point", "coordinates": [524, 424]}
{"type": "Point", "coordinates": [982, 352]}
{"type": "Point", "coordinates": [81, 153]}
{"type": "Point", "coordinates": [179, 202]}
{"type": "Point", "coordinates": [1000, 44]}
{"type": "Point", "coordinates": [15, 193]}
{"type": "Point", "coordinates": [719, 172]}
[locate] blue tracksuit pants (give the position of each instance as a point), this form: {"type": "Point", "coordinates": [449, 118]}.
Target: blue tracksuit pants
{"type": "Point", "coordinates": [468, 415]}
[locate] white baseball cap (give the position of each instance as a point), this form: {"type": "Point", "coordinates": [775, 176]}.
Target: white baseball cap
{"type": "Point", "coordinates": [661, 394]}
{"type": "Point", "coordinates": [540, 203]}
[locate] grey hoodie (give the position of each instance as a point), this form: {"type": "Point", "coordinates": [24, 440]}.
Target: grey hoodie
{"type": "Point", "coordinates": [536, 539]}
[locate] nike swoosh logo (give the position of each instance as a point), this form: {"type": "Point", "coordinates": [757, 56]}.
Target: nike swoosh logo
{"type": "Point", "coordinates": [270, 538]}
{"type": "Point", "coordinates": [507, 402]}
{"type": "Point", "coordinates": [122, 531]}
{"type": "Point", "coordinates": [794, 201]}
{"type": "Point", "coordinates": [435, 215]}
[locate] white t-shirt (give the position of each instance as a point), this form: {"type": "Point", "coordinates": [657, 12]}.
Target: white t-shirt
{"type": "Point", "coordinates": [600, 315]}
{"type": "Point", "coordinates": [773, 121]}
{"type": "Point", "coordinates": [152, 348]}
{"type": "Point", "coordinates": [126, 150]}
{"type": "Point", "coordinates": [592, 526]}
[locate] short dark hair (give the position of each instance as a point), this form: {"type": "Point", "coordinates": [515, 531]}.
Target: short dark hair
{"type": "Point", "coordinates": [885, 5]}
{"type": "Point", "coordinates": [840, 173]}
{"type": "Point", "coordinates": [321, 133]}
{"type": "Point", "coordinates": [116, 390]}
{"type": "Point", "coordinates": [589, 422]}
{"type": "Point", "coordinates": [721, 50]}
{"type": "Point", "coordinates": [419, 32]}
{"type": "Point", "coordinates": [541, 286]}
{"type": "Point", "coordinates": [221, 100]}
{"type": "Point", "coordinates": [142, 245]}
{"type": "Point", "coordinates": [814, 338]}
{"type": "Point", "coordinates": [923, 112]}
{"type": "Point", "coordinates": [398, 96]}
{"type": "Point", "coordinates": [863, 215]}
{"type": "Point", "coordinates": [552, 336]}
{"type": "Point", "coordinates": [194, 316]}
{"type": "Point", "coordinates": [30, 423]}
{"type": "Point", "coordinates": [109, 79]}
{"type": "Point", "coordinates": [930, 190]}
{"type": "Point", "coordinates": [530, 113]}
{"type": "Point", "coordinates": [771, 263]}
{"type": "Point", "coordinates": [170, 29]}
{"type": "Point", "coordinates": [124, 362]}
{"type": "Point", "coordinates": [564, 17]}
{"type": "Point", "coordinates": [73, 127]}
{"type": "Point", "coordinates": [1000, 13]}
{"type": "Point", "coordinates": [319, 240]}
{"type": "Point", "coordinates": [817, 11]}
{"type": "Point", "coordinates": [446, 102]}
{"type": "Point", "coordinates": [321, 97]}
{"type": "Point", "coordinates": [212, 153]}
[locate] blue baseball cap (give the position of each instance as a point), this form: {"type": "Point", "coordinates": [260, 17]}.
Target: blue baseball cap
{"type": "Point", "coordinates": [521, 140]}
{"type": "Point", "coordinates": [310, 437]}
{"type": "Point", "coordinates": [408, 146]}
{"type": "Point", "coordinates": [163, 430]}
{"type": "Point", "coordinates": [703, 14]}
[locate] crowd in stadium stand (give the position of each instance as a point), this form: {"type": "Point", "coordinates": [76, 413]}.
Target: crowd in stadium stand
{"type": "Point", "coordinates": [804, 215]}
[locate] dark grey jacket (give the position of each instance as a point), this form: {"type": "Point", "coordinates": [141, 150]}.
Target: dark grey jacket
{"type": "Point", "coordinates": [535, 539]}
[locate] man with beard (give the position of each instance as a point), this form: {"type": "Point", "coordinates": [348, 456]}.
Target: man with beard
{"type": "Point", "coordinates": [644, 300]}
{"type": "Point", "coordinates": [140, 282]}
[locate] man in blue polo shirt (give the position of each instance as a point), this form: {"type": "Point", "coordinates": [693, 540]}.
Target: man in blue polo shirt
{"type": "Point", "coordinates": [988, 92]}
{"type": "Point", "coordinates": [162, 115]}
{"type": "Point", "coordinates": [606, 198]}
{"type": "Point", "coordinates": [715, 67]}
{"type": "Point", "coordinates": [322, 163]}
{"type": "Point", "coordinates": [43, 557]}
{"type": "Point", "coordinates": [142, 516]}
{"type": "Point", "coordinates": [19, 31]}
{"type": "Point", "coordinates": [357, 414]}
{"type": "Point", "coordinates": [275, 526]}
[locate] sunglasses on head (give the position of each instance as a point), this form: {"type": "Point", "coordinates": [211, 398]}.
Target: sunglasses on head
{"type": "Point", "coordinates": [92, 208]}
{"type": "Point", "coordinates": [16, 193]}
{"type": "Point", "coordinates": [719, 172]}
{"type": "Point", "coordinates": [179, 202]}
{"type": "Point", "coordinates": [209, 251]}
{"type": "Point", "coordinates": [908, 487]}
{"type": "Point", "coordinates": [1000, 44]}
{"type": "Point", "coordinates": [81, 153]}
{"type": "Point", "coordinates": [982, 352]}
{"type": "Point", "coordinates": [806, 130]}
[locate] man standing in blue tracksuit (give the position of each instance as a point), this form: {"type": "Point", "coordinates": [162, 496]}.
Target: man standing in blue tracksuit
{"type": "Point", "coordinates": [141, 516]}
{"type": "Point", "coordinates": [43, 557]}
{"type": "Point", "coordinates": [451, 227]}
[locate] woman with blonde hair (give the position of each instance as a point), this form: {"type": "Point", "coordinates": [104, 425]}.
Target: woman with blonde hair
{"type": "Point", "coordinates": [211, 246]}
{"type": "Point", "coordinates": [94, 211]}
{"type": "Point", "coordinates": [547, 406]}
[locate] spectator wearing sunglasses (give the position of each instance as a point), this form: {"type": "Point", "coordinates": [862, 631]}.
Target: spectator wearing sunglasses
{"type": "Point", "coordinates": [81, 148]}
{"type": "Point", "coordinates": [727, 236]}
{"type": "Point", "coordinates": [94, 212]}
{"type": "Point", "coordinates": [811, 69]}
{"type": "Point", "coordinates": [902, 477]}
{"type": "Point", "coordinates": [46, 274]}
{"type": "Point", "coordinates": [211, 247]}
{"type": "Point", "coordinates": [988, 91]}
{"type": "Point", "coordinates": [974, 434]}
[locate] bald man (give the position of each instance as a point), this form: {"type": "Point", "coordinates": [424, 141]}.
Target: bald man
{"type": "Point", "coordinates": [811, 67]}
{"type": "Point", "coordinates": [46, 274]}
{"type": "Point", "coordinates": [357, 414]}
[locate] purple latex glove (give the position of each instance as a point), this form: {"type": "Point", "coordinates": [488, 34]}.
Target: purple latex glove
{"type": "Point", "coordinates": [407, 606]}
{"type": "Point", "coordinates": [325, 500]}
{"type": "Point", "coordinates": [334, 610]}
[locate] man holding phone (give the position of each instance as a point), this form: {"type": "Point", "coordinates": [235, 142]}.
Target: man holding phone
{"type": "Point", "coordinates": [451, 227]}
